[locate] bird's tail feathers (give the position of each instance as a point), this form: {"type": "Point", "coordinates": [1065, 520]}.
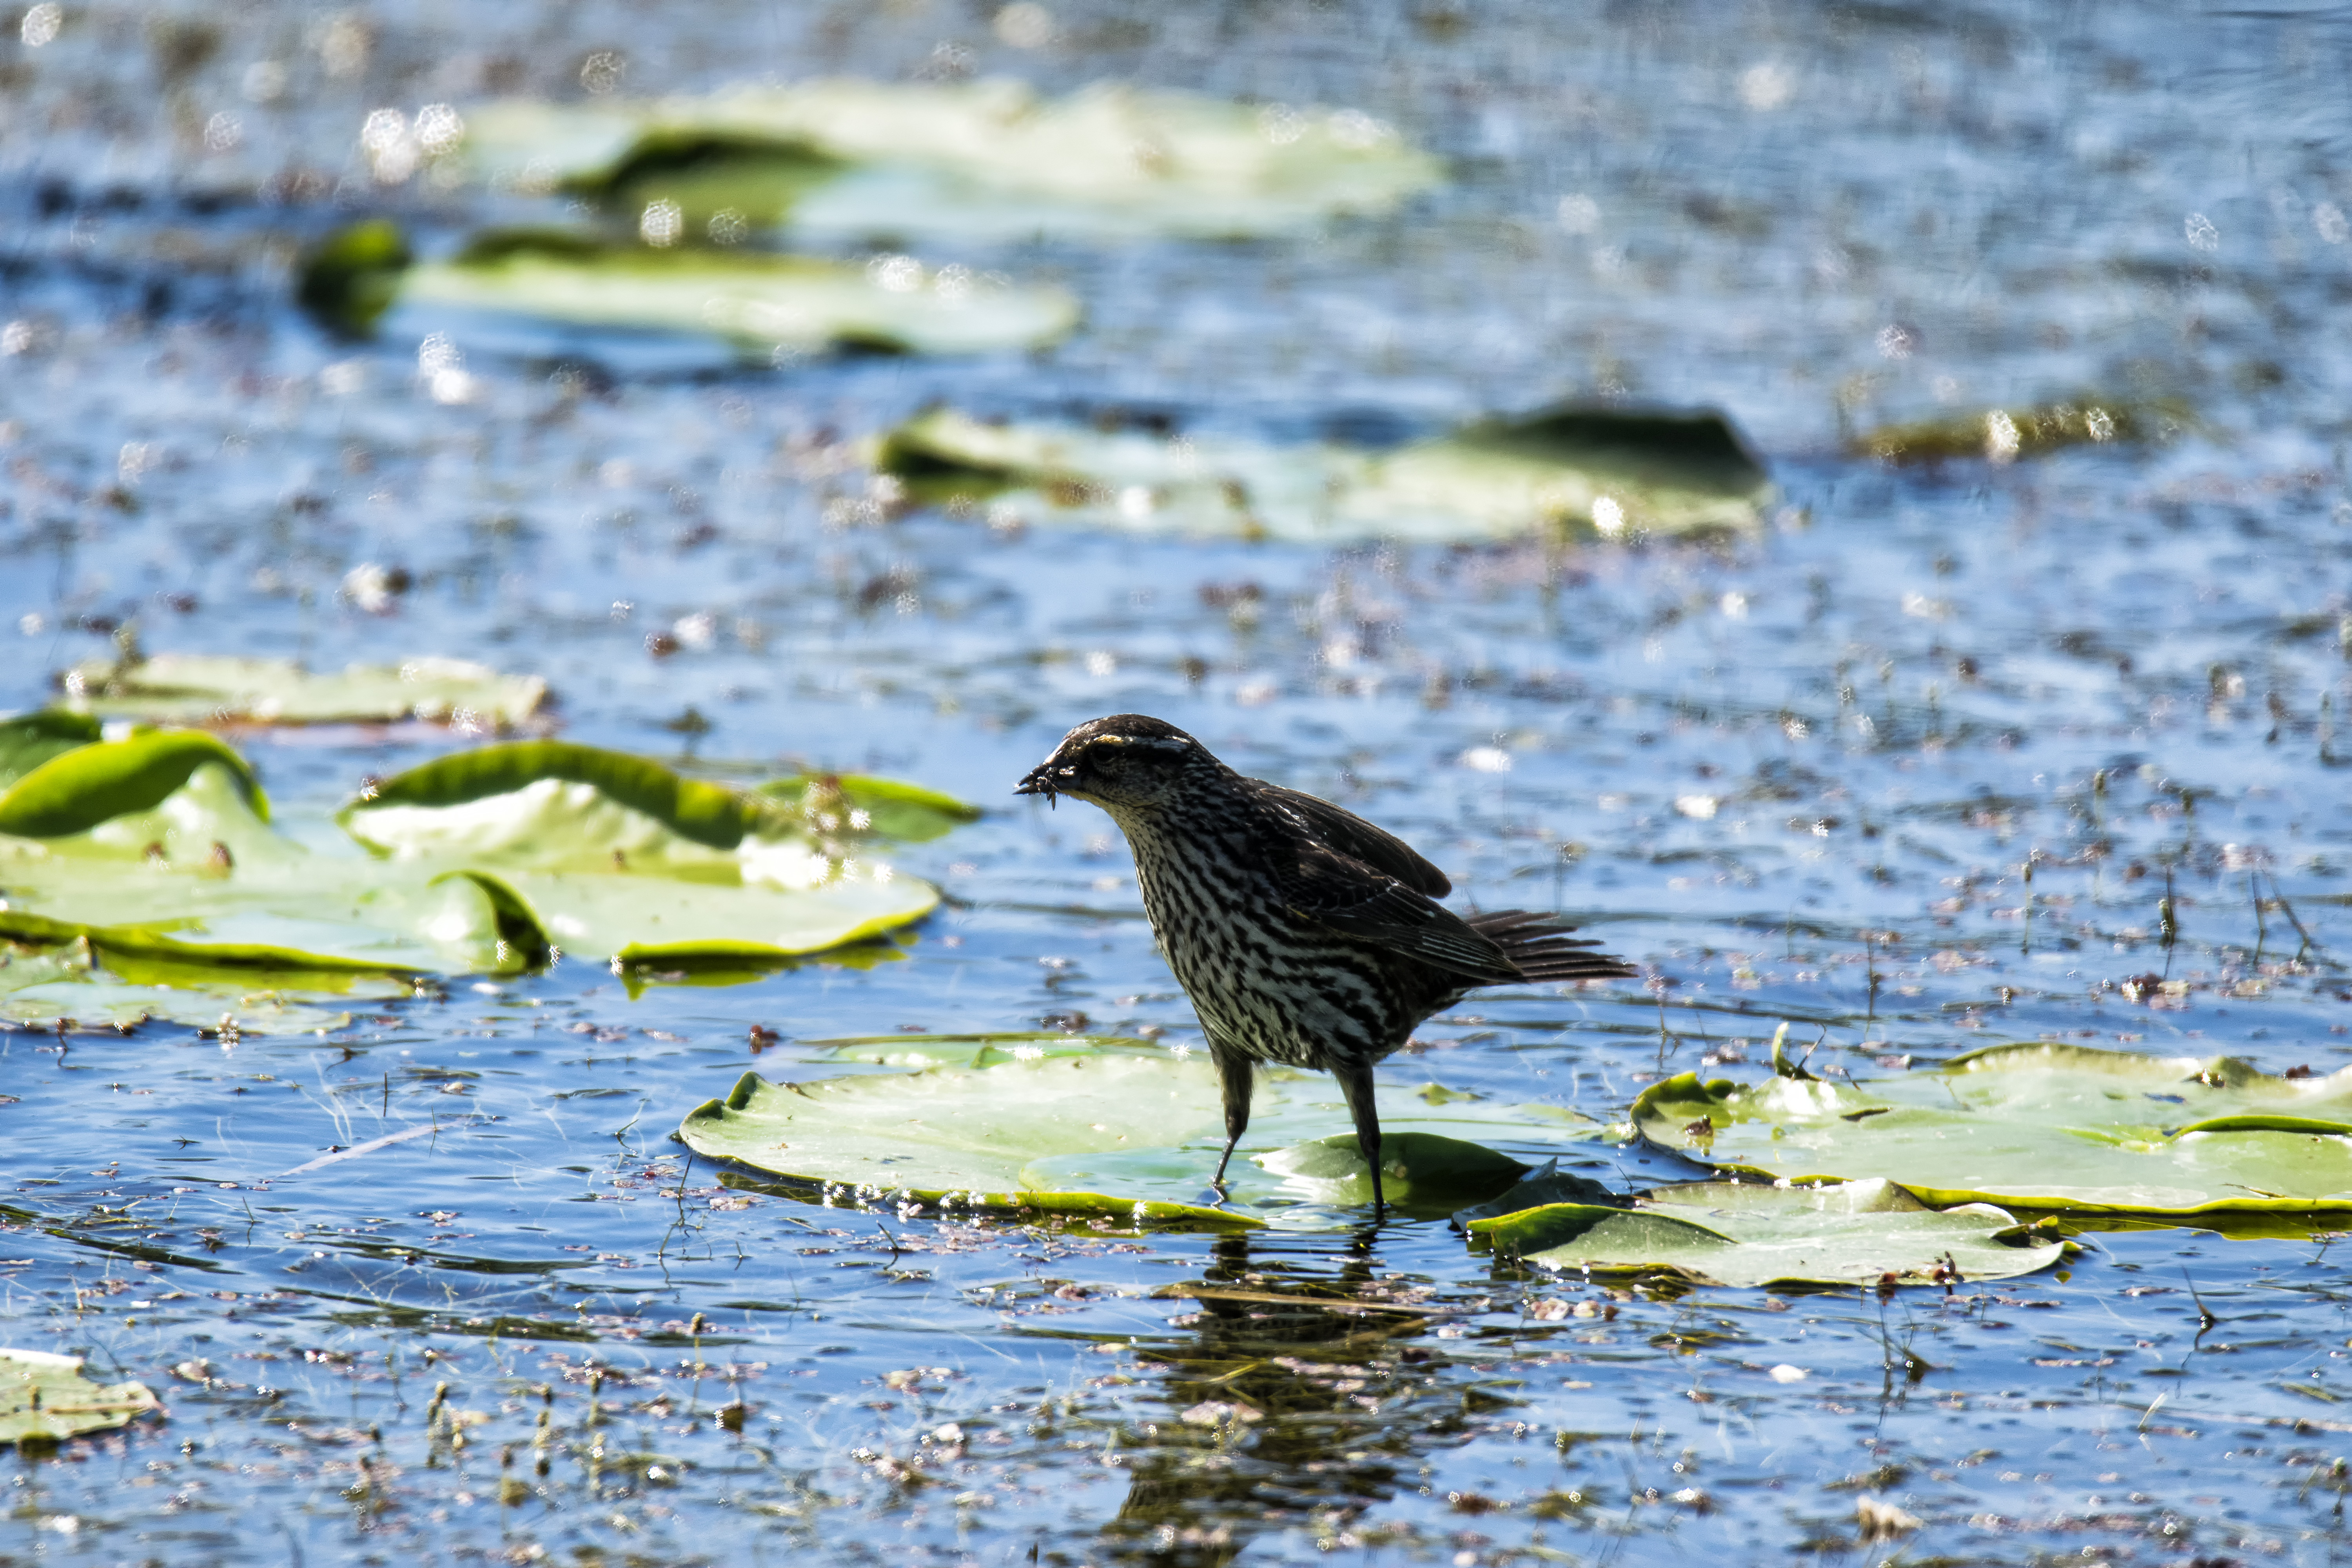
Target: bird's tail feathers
{"type": "Point", "coordinates": [1537, 945]}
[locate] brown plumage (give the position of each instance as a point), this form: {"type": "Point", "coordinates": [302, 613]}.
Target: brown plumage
{"type": "Point", "coordinates": [1304, 935]}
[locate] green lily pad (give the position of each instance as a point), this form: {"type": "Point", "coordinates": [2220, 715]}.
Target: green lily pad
{"type": "Point", "coordinates": [80, 789]}
{"type": "Point", "coordinates": [761, 304]}
{"type": "Point", "coordinates": [1109, 1127]}
{"type": "Point", "coordinates": [490, 861]}
{"type": "Point", "coordinates": [28, 740]}
{"type": "Point", "coordinates": [43, 1398]}
{"type": "Point", "coordinates": [2045, 1128]}
{"type": "Point", "coordinates": [976, 160]}
{"type": "Point", "coordinates": [199, 688]}
{"type": "Point", "coordinates": [1600, 472]}
{"type": "Point", "coordinates": [2004, 435]}
{"type": "Point", "coordinates": [1740, 1235]}
{"type": "Point", "coordinates": [552, 805]}
{"type": "Point", "coordinates": [1417, 1168]}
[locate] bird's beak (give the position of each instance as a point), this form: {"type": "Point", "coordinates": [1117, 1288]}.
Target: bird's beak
{"type": "Point", "coordinates": [1042, 780]}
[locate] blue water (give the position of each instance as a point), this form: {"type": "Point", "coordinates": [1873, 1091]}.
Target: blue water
{"type": "Point", "coordinates": [1890, 701]}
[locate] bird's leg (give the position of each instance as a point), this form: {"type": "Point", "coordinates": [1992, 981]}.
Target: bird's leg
{"type": "Point", "coordinates": [1356, 1083]}
{"type": "Point", "coordinates": [1233, 1075]}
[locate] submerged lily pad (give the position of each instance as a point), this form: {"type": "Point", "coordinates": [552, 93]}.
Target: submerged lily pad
{"type": "Point", "coordinates": [207, 688]}
{"type": "Point", "coordinates": [43, 1398]}
{"type": "Point", "coordinates": [985, 160]}
{"type": "Point", "coordinates": [1086, 1125]}
{"type": "Point", "coordinates": [2004, 435]}
{"type": "Point", "coordinates": [2045, 1128]}
{"type": "Point", "coordinates": [1736, 1234]}
{"type": "Point", "coordinates": [759, 304]}
{"type": "Point", "coordinates": [1605, 472]}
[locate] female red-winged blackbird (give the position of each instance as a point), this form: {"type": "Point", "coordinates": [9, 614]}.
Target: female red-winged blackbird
{"type": "Point", "coordinates": [1303, 934]}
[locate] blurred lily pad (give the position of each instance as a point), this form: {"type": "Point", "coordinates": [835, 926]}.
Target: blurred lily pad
{"type": "Point", "coordinates": [79, 787]}
{"type": "Point", "coordinates": [45, 1397]}
{"type": "Point", "coordinates": [1601, 472]}
{"type": "Point", "coordinates": [1084, 1124]}
{"type": "Point", "coordinates": [2004, 435]}
{"type": "Point", "coordinates": [57, 1004]}
{"type": "Point", "coordinates": [208, 688]}
{"type": "Point", "coordinates": [759, 304]}
{"type": "Point", "coordinates": [1744, 1234]}
{"type": "Point", "coordinates": [2045, 1128]}
{"type": "Point", "coordinates": [28, 740]}
{"type": "Point", "coordinates": [987, 160]}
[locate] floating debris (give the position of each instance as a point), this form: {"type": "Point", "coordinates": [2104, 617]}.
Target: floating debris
{"type": "Point", "coordinates": [2005, 435]}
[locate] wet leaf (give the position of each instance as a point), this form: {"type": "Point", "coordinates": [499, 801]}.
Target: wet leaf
{"type": "Point", "coordinates": [1080, 1125]}
{"type": "Point", "coordinates": [2044, 1128]}
{"type": "Point", "coordinates": [77, 789]}
{"type": "Point", "coordinates": [45, 1397]}
{"type": "Point", "coordinates": [206, 688]}
{"type": "Point", "coordinates": [1742, 1235]}
{"type": "Point", "coordinates": [1603, 472]}
{"type": "Point", "coordinates": [986, 160]}
{"type": "Point", "coordinates": [758, 303]}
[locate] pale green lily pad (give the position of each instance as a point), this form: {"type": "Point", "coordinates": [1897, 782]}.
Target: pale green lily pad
{"type": "Point", "coordinates": [666, 920]}
{"type": "Point", "coordinates": [762, 305]}
{"type": "Point", "coordinates": [986, 160]}
{"type": "Point", "coordinates": [1741, 1235]}
{"type": "Point", "coordinates": [215, 689]}
{"type": "Point", "coordinates": [2045, 1128]}
{"type": "Point", "coordinates": [88, 1002]}
{"type": "Point", "coordinates": [1075, 1124]}
{"type": "Point", "coordinates": [1599, 472]}
{"type": "Point", "coordinates": [43, 1398]}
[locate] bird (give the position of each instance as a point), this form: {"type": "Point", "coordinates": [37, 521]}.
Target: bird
{"type": "Point", "coordinates": [1304, 935]}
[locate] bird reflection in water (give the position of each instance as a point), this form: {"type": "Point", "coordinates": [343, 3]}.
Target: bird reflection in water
{"type": "Point", "coordinates": [1301, 1398]}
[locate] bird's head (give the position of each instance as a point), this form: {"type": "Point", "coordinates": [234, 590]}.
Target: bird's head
{"type": "Point", "coordinates": [1126, 761]}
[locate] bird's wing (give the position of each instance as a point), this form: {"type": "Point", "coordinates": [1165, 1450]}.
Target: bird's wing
{"type": "Point", "coordinates": [1354, 837]}
{"type": "Point", "coordinates": [1339, 891]}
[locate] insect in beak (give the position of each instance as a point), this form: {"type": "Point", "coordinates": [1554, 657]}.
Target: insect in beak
{"type": "Point", "coordinates": [1040, 781]}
